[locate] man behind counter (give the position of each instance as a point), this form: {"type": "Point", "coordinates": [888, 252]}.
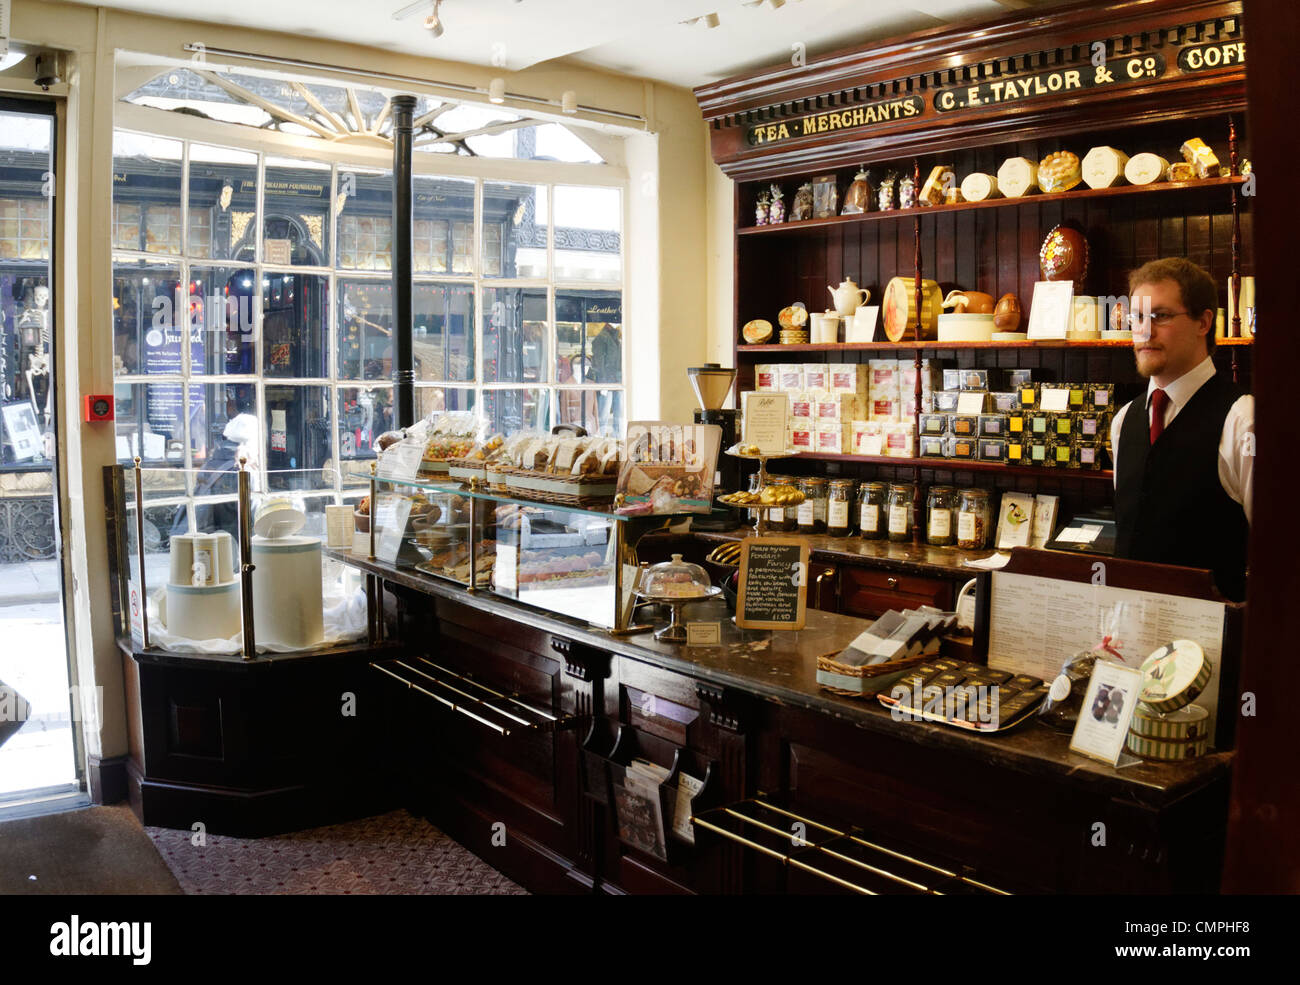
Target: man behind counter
{"type": "Point", "coordinates": [1183, 469]}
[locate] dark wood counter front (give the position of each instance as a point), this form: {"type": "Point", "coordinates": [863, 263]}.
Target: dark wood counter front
{"type": "Point", "coordinates": [1018, 808]}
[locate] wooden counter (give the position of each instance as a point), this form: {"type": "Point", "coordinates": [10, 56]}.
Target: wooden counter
{"type": "Point", "coordinates": [1017, 808]}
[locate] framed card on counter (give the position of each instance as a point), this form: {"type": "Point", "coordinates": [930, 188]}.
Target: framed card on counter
{"type": "Point", "coordinates": [1102, 727]}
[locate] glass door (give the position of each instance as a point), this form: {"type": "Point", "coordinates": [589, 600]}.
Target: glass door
{"type": "Point", "coordinates": [37, 741]}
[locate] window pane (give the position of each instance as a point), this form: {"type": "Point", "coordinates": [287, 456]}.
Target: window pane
{"type": "Point", "coordinates": [298, 434]}
{"type": "Point", "coordinates": [365, 329]}
{"type": "Point", "coordinates": [296, 207]}
{"type": "Point", "coordinates": [436, 399]}
{"type": "Point", "coordinates": [144, 298]}
{"type": "Point", "coordinates": [223, 427]}
{"type": "Point", "coordinates": [514, 334]}
{"type": "Point", "coordinates": [513, 410]}
{"type": "Point", "coordinates": [589, 336]}
{"type": "Point", "coordinates": [442, 226]}
{"type": "Point", "coordinates": [364, 413]}
{"type": "Point", "coordinates": [223, 184]}
{"type": "Point", "coordinates": [150, 421]}
{"type": "Point", "coordinates": [515, 220]}
{"type": "Point", "coordinates": [547, 142]}
{"type": "Point", "coordinates": [147, 175]}
{"type": "Point", "coordinates": [295, 322]}
{"type": "Point", "coordinates": [588, 223]}
{"type": "Point", "coordinates": [599, 411]}
{"type": "Point", "coordinates": [222, 303]}
{"type": "Point", "coordinates": [444, 332]}
{"type": "Point", "coordinates": [365, 220]}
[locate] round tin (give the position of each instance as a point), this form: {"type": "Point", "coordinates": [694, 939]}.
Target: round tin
{"type": "Point", "coordinates": [1160, 749]}
{"type": "Point", "coordinates": [1184, 725]}
{"type": "Point", "coordinates": [1174, 676]}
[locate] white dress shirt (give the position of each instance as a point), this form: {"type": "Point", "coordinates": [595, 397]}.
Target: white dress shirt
{"type": "Point", "coordinates": [1236, 450]}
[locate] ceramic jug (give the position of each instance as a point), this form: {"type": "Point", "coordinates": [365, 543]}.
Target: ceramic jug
{"type": "Point", "coordinates": [848, 297]}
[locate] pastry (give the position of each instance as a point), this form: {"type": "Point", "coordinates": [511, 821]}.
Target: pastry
{"type": "Point", "coordinates": [1059, 172]}
{"type": "Point", "coordinates": [933, 189]}
{"type": "Point", "coordinates": [1203, 160]}
{"type": "Point", "coordinates": [1180, 171]}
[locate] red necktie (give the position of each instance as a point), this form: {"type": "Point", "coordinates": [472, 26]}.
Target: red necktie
{"type": "Point", "coordinates": [1159, 400]}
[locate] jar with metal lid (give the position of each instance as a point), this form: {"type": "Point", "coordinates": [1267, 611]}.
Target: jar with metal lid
{"type": "Point", "coordinates": [940, 513]}
{"type": "Point", "coordinates": [839, 508]}
{"type": "Point", "coordinates": [872, 516]}
{"type": "Point", "coordinates": [900, 513]}
{"type": "Point", "coordinates": [973, 519]}
{"type": "Point", "coordinates": [782, 519]}
{"type": "Point", "coordinates": [811, 513]}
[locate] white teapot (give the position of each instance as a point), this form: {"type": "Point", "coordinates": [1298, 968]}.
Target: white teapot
{"type": "Point", "coordinates": [848, 296]}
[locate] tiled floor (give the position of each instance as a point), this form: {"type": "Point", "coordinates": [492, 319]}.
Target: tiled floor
{"type": "Point", "coordinates": [391, 854]}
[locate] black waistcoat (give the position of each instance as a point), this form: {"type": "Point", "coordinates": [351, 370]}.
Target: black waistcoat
{"type": "Point", "coordinates": [1170, 506]}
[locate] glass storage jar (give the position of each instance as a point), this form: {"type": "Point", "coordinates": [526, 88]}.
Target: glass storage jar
{"type": "Point", "coordinates": [973, 519]}
{"type": "Point", "coordinates": [872, 514]}
{"type": "Point", "coordinates": [900, 513]}
{"type": "Point", "coordinates": [839, 508]}
{"type": "Point", "coordinates": [811, 514]}
{"type": "Point", "coordinates": [940, 522]}
{"type": "Point", "coordinates": [781, 519]}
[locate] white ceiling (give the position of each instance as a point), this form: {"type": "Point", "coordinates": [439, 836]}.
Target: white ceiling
{"type": "Point", "coordinates": [643, 38]}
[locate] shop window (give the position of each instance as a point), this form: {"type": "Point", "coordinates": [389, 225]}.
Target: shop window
{"type": "Point", "coordinates": [519, 213]}
{"type": "Point", "coordinates": [443, 334]}
{"type": "Point", "coordinates": [514, 335]}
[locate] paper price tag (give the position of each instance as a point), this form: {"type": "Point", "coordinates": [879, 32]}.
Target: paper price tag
{"type": "Point", "coordinates": [703, 633]}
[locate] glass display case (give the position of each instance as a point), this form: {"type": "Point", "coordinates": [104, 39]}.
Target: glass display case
{"type": "Point", "coordinates": [573, 560]}
{"type": "Point", "coordinates": [237, 568]}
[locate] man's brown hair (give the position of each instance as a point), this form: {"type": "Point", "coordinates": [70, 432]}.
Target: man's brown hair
{"type": "Point", "coordinates": [1195, 287]}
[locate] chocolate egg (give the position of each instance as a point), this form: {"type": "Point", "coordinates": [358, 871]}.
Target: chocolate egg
{"type": "Point", "coordinates": [1064, 256]}
{"type": "Point", "coordinates": [1006, 316]}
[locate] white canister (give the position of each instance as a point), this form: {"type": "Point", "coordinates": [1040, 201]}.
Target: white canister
{"type": "Point", "coordinates": [287, 596]}
{"type": "Point", "coordinates": [181, 560]}
{"type": "Point", "coordinates": [825, 328]}
{"type": "Point", "coordinates": [203, 612]}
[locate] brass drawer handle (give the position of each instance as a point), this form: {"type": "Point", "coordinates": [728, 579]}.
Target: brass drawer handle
{"type": "Point", "coordinates": [891, 581]}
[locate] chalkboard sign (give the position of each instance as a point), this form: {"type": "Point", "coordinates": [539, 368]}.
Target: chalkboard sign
{"type": "Point", "coordinates": [773, 583]}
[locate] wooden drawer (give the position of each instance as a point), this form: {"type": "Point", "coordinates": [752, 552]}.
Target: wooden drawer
{"type": "Point", "coordinates": [868, 592]}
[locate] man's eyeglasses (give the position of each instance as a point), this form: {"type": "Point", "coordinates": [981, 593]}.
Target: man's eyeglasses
{"type": "Point", "coordinates": [1157, 317]}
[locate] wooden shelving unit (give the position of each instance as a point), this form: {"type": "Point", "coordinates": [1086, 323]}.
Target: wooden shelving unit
{"type": "Point", "coordinates": [1075, 194]}
{"type": "Point", "coordinates": [777, 348]}
{"type": "Point", "coordinates": [961, 465]}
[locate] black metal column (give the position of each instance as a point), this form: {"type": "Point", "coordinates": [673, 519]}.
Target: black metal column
{"type": "Point", "coordinates": [403, 357]}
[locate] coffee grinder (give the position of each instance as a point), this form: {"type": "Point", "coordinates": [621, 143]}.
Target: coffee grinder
{"type": "Point", "coordinates": [711, 384]}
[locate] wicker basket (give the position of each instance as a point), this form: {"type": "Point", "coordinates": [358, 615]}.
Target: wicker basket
{"type": "Point", "coordinates": [873, 677]}
{"type": "Point", "coordinates": [564, 490]}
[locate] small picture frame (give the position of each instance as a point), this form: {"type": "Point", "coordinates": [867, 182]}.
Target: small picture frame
{"type": "Point", "coordinates": [1051, 314]}
{"type": "Point", "coordinates": [1102, 727]}
{"type": "Point", "coordinates": [825, 196]}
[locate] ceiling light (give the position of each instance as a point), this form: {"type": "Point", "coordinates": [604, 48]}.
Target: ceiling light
{"type": "Point", "coordinates": [433, 23]}
{"type": "Point", "coordinates": [497, 91]}
{"type": "Point", "coordinates": [569, 102]}
{"type": "Point", "coordinates": [10, 60]}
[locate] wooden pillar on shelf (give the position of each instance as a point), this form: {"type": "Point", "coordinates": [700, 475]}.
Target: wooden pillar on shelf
{"type": "Point", "coordinates": [1234, 302]}
{"type": "Point", "coordinates": [917, 505]}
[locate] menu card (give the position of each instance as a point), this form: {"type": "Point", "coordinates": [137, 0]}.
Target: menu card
{"type": "Point", "coordinates": [773, 591]}
{"type": "Point", "coordinates": [766, 415]}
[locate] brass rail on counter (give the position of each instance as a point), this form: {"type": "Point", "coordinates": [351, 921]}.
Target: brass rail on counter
{"type": "Point", "coordinates": [473, 699]}
{"type": "Point", "coordinates": [827, 847]}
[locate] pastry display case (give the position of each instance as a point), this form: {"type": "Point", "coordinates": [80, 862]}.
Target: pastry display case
{"type": "Point", "coordinates": [572, 560]}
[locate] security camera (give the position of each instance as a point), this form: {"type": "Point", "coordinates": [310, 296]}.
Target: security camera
{"type": "Point", "coordinates": [49, 69]}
